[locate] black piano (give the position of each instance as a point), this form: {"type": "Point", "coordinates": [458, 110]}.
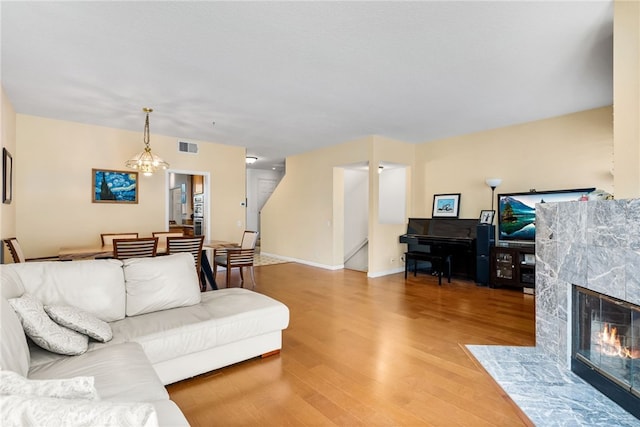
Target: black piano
{"type": "Point", "coordinates": [445, 237]}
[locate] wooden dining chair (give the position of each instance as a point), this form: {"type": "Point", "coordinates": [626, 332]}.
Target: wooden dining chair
{"type": "Point", "coordinates": [107, 238]}
{"type": "Point", "coordinates": [164, 235]}
{"type": "Point", "coordinates": [236, 257]}
{"type": "Point", "coordinates": [135, 248]}
{"type": "Point", "coordinates": [249, 240]}
{"type": "Point", "coordinates": [15, 249]}
{"type": "Point", "coordinates": [192, 245]}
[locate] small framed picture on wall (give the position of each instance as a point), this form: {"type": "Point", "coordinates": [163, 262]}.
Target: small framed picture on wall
{"type": "Point", "coordinates": [446, 205]}
{"type": "Point", "coordinates": [486, 217]}
{"type": "Point", "coordinates": [7, 176]}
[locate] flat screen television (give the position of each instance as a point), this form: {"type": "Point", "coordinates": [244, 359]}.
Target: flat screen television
{"type": "Point", "coordinates": [517, 212]}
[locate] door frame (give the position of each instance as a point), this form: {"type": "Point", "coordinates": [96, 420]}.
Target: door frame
{"type": "Point", "coordinates": [207, 197]}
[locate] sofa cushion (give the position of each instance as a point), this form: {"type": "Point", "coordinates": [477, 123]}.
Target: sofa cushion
{"type": "Point", "coordinates": [10, 280]}
{"type": "Point", "coordinates": [96, 286]}
{"type": "Point", "coordinates": [47, 411]}
{"type": "Point", "coordinates": [79, 321]}
{"type": "Point", "coordinates": [14, 351]}
{"type": "Point", "coordinates": [68, 388]}
{"type": "Point", "coordinates": [169, 414]}
{"type": "Point", "coordinates": [223, 316]}
{"type": "Point", "coordinates": [121, 372]}
{"type": "Point", "coordinates": [44, 331]}
{"type": "Point", "coordinates": [160, 283]}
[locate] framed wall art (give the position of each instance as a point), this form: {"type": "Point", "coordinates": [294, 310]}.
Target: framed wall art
{"type": "Point", "coordinates": [7, 176]}
{"type": "Point", "coordinates": [446, 205]}
{"type": "Point", "coordinates": [486, 216]}
{"type": "Point", "coordinates": [112, 186]}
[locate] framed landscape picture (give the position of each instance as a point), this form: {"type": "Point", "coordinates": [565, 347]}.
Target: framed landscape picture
{"type": "Point", "coordinates": [446, 205]}
{"type": "Point", "coordinates": [112, 186]}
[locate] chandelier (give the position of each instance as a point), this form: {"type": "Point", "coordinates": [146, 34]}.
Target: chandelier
{"type": "Point", "coordinates": [145, 161]}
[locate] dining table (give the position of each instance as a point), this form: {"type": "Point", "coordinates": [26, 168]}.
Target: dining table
{"type": "Point", "coordinates": [78, 253]}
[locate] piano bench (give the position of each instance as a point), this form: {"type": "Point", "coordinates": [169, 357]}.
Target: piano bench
{"type": "Point", "coordinates": [437, 262]}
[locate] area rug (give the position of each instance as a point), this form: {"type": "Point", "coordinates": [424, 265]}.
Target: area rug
{"type": "Point", "coordinates": [260, 259]}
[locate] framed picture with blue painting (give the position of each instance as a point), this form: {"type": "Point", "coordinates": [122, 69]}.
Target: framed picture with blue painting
{"type": "Point", "coordinates": [446, 205]}
{"type": "Point", "coordinates": [112, 186]}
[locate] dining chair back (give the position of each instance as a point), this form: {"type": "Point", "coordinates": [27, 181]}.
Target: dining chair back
{"type": "Point", "coordinates": [107, 238]}
{"type": "Point", "coordinates": [135, 248]}
{"type": "Point", "coordinates": [249, 239]}
{"type": "Point", "coordinates": [15, 249]}
{"type": "Point", "coordinates": [236, 257]}
{"type": "Point", "coordinates": [192, 245]}
{"type": "Point", "coordinates": [164, 235]}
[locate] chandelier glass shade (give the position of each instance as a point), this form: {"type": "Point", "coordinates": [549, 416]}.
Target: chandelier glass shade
{"type": "Point", "coordinates": [145, 161]}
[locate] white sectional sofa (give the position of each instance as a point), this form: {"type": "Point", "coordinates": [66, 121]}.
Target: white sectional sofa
{"type": "Point", "coordinates": [164, 330]}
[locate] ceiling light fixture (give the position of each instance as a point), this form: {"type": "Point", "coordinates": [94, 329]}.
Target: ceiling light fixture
{"type": "Point", "coordinates": [250, 160]}
{"type": "Point", "coordinates": [145, 161]}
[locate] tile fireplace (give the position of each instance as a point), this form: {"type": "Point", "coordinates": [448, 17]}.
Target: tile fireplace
{"type": "Point", "coordinates": [593, 246]}
{"type": "Point", "coordinates": [588, 277]}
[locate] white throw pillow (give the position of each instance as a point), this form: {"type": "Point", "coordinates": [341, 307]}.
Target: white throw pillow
{"type": "Point", "coordinates": [80, 321]}
{"type": "Point", "coordinates": [67, 388]}
{"type": "Point", "coordinates": [18, 411]}
{"type": "Point", "coordinates": [160, 283]}
{"type": "Point", "coordinates": [44, 331]}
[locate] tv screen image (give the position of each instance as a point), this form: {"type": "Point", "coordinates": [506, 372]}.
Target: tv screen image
{"type": "Point", "coordinates": [517, 211]}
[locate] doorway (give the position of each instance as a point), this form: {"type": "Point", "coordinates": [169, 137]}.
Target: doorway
{"type": "Point", "coordinates": [356, 217]}
{"type": "Point", "coordinates": [181, 212]}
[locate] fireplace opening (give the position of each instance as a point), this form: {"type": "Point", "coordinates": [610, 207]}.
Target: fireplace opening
{"type": "Point", "coordinates": [606, 346]}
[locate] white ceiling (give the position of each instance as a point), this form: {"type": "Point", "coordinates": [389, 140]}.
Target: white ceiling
{"type": "Point", "coordinates": [282, 78]}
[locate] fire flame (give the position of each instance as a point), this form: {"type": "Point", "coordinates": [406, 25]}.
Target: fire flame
{"type": "Point", "coordinates": [611, 346]}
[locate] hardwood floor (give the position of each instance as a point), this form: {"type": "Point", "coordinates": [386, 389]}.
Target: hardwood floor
{"type": "Point", "coordinates": [370, 352]}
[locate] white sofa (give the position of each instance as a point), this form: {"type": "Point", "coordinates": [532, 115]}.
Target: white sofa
{"type": "Point", "coordinates": [164, 330]}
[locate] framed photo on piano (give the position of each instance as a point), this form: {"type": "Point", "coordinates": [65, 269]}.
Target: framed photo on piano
{"type": "Point", "coordinates": [486, 217]}
{"type": "Point", "coordinates": [446, 205]}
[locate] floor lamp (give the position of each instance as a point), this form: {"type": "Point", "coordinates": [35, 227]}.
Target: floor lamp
{"type": "Point", "coordinates": [493, 183]}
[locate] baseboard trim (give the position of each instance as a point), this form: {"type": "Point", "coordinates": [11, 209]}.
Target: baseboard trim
{"type": "Point", "coordinates": [305, 262]}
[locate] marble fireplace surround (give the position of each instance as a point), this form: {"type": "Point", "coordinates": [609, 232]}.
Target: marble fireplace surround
{"type": "Point", "coordinates": [594, 244]}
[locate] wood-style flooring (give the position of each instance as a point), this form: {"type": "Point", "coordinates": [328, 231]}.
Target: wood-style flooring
{"type": "Point", "coordinates": [368, 352]}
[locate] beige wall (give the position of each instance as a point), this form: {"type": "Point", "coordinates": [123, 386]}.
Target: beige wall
{"type": "Point", "coordinates": [626, 95]}
{"type": "Point", "coordinates": [385, 254]}
{"type": "Point", "coordinates": [304, 217]}
{"type": "Point", "coordinates": [572, 151]}
{"type": "Point", "coordinates": [54, 159]}
{"type": "Point", "coordinates": [8, 135]}
{"type": "Point", "coordinates": [297, 221]}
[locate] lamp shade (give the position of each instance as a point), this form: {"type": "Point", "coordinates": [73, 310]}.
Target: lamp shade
{"type": "Point", "coordinates": [493, 182]}
{"type": "Point", "coordinates": [146, 162]}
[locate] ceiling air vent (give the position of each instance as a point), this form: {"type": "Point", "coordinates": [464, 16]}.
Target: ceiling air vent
{"type": "Point", "coordinates": [187, 147]}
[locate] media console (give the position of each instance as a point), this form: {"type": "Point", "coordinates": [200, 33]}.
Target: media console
{"type": "Point", "coordinates": [513, 266]}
